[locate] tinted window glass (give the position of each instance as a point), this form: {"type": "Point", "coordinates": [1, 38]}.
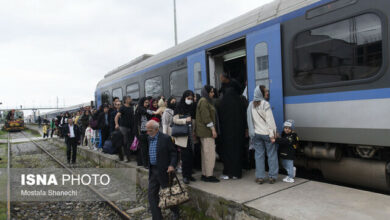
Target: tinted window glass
{"type": "Point", "coordinates": [153, 86]}
{"type": "Point", "coordinates": [261, 64]}
{"type": "Point", "coordinates": [105, 97]}
{"type": "Point", "coordinates": [117, 93]}
{"type": "Point", "coordinates": [178, 82]}
{"type": "Point", "coordinates": [197, 77]}
{"type": "Point", "coordinates": [133, 91]}
{"type": "Point", "coordinates": [343, 51]}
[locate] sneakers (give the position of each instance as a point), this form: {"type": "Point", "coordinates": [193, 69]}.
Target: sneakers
{"type": "Point", "coordinates": [224, 177]}
{"type": "Point", "coordinates": [271, 180]}
{"type": "Point", "coordinates": [287, 179]}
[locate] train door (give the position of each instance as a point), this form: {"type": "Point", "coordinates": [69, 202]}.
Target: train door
{"type": "Point", "coordinates": [231, 59]}
{"type": "Point", "coordinates": [196, 65]}
{"type": "Point", "coordinates": [265, 67]}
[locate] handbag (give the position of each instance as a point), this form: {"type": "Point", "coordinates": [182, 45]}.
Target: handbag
{"type": "Point", "coordinates": [179, 130]}
{"type": "Point", "coordinates": [173, 195]}
{"type": "Point", "coordinates": [134, 145]}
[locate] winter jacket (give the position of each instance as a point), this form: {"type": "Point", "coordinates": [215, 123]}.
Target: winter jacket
{"type": "Point", "coordinates": [205, 118]}
{"type": "Point", "coordinates": [288, 144]}
{"type": "Point", "coordinates": [166, 121]}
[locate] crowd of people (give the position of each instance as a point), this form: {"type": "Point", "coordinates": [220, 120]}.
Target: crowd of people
{"type": "Point", "coordinates": [202, 127]}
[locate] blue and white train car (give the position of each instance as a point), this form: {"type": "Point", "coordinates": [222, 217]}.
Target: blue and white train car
{"type": "Point", "coordinates": [325, 63]}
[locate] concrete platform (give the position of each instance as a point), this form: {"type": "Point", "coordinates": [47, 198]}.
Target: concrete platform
{"type": "Point", "coordinates": [244, 199]}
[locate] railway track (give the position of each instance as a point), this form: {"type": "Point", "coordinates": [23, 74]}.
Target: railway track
{"type": "Point", "coordinates": [112, 205]}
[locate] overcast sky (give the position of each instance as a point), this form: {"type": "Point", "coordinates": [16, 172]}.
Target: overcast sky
{"type": "Point", "coordinates": [62, 48]}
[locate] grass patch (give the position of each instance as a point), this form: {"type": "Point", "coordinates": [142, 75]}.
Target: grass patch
{"type": "Point", "coordinates": [33, 133]}
{"type": "Point", "coordinates": [3, 155]}
{"type": "Point", "coordinates": [3, 134]}
{"type": "Point", "coordinates": [192, 214]}
{"type": "Point", "coordinates": [3, 210]}
{"type": "Point", "coordinates": [3, 181]}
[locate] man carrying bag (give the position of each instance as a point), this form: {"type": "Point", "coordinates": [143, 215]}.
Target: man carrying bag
{"type": "Point", "coordinates": [162, 161]}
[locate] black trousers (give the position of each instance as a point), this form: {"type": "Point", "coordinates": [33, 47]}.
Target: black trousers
{"type": "Point", "coordinates": [127, 141]}
{"type": "Point", "coordinates": [71, 149]}
{"type": "Point", "coordinates": [186, 161]}
{"type": "Point", "coordinates": [52, 132]}
{"type": "Point", "coordinates": [105, 134]}
{"type": "Point", "coordinates": [142, 153]}
{"type": "Point", "coordinates": [153, 189]}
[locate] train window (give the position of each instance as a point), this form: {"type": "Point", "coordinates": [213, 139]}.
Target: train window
{"type": "Point", "coordinates": [178, 81]}
{"type": "Point", "coordinates": [261, 64]}
{"type": "Point", "coordinates": [117, 93]}
{"type": "Point", "coordinates": [132, 90]}
{"type": "Point", "coordinates": [106, 97]}
{"type": "Point", "coordinates": [344, 51]}
{"type": "Point", "coordinates": [197, 78]}
{"type": "Point", "coordinates": [153, 86]}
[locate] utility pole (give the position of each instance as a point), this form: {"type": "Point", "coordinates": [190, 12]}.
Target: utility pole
{"type": "Point", "coordinates": [174, 17]}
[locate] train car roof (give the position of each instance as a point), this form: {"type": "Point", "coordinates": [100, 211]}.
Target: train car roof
{"type": "Point", "coordinates": [257, 16]}
{"type": "Point", "coordinates": [68, 109]}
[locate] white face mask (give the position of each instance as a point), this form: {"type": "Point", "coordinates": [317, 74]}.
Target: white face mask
{"type": "Point", "coordinates": [188, 102]}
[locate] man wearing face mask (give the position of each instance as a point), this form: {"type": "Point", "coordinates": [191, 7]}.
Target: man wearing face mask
{"type": "Point", "coordinates": [184, 114]}
{"type": "Point", "coordinates": [167, 116]}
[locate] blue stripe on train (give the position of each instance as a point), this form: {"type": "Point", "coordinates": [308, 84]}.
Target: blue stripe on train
{"type": "Point", "coordinates": [339, 96]}
{"type": "Point", "coordinates": [271, 22]}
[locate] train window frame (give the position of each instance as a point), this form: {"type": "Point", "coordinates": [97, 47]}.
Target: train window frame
{"type": "Point", "coordinates": [162, 84]}
{"type": "Point", "coordinates": [170, 75]}
{"type": "Point", "coordinates": [132, 91]}
{"type": "Point", "coordinates": [106, 92]}
{"type": "Point", "coordinates": [120, 97]}
{"type": "Point", "coordinates": [379, 73]}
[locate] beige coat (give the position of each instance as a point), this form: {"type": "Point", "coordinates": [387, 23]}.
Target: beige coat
{"type": "Point", "coordinates": [182, 141]}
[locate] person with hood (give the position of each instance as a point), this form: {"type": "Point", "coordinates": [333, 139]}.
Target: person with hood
{"type": "Point", "coordinates": [184, 115]}
{"type": "Point", "coordinates": [262, 133]}
{"type": "Point", "coordinates": [205, 129]}
{"type": "Point", "coordinates": [167, 117]}
{"type": "Point", "coordinates": [232, 120]}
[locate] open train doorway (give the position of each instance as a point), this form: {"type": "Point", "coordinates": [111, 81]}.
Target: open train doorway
{"type": "Point", "coordinates": [229, 58]}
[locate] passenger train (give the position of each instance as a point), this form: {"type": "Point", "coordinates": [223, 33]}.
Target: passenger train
{"type": "Point", "coordinates": [325, 63]}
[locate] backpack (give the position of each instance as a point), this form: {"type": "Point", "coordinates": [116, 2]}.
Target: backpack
{"type": "Point", "coordinates": [108, 147]}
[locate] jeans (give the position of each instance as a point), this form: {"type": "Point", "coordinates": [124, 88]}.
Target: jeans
{"type": "Point", "coordinates": [262, 143]}
{"type": "Point", "coordinates": [288, 165]}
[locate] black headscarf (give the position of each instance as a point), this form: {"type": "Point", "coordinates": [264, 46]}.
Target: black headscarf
{"type": "Point", "coordinates": [184, 109]}
{"type": "Point", "coordinates": [169, 104]}
{"type": "Point", "coordinates": [205, 92]}
{"type": "Point", "coordinates": [141, 110]}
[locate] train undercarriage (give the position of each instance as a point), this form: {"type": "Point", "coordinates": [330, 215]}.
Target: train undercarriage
{"type": "Point", "coordinates": [364, 166]}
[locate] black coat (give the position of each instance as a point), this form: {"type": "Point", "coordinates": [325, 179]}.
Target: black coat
{"type": "Point", "coordinates": [166, 156]}
{"type": "Point", "coordinates": [76, 131]}
{"type": "Point", "coordinates": [101, 121]}
{"type": "Point", "coordinates": [112, 120]}
{"type": "Point", "coordinates": [288, 144]}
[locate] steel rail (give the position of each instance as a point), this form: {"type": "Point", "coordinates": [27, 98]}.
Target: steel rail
{"type": "Point", "coordinates": [118, 210]}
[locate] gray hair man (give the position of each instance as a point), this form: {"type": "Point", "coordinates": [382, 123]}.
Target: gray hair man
{"type": "Point", "coordinates": [162, 159]}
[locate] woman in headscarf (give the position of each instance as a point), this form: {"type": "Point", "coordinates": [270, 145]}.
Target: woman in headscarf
{"type": "Point", "coordinates": [184, 115]}
{"type": "Point", "coordinates": [232, 119]}
{"type": "Point", "coordinates": [154, 107]}
{"type": "Point", "coordinates": [205, 129]}
{"type": "Point", "coordinates": [142, 116]}
{"type": "Point", "coordinates": [167, 117]}
{"type": "Point", "coordinates": [262, 133]}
